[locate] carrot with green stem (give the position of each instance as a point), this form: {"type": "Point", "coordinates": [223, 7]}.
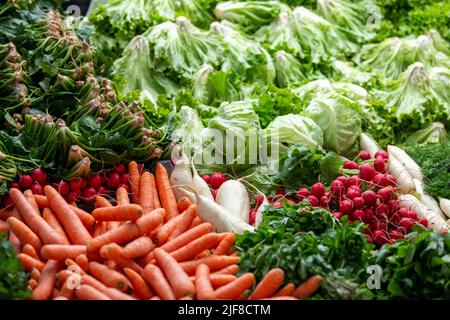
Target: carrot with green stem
{"type": "Point", "coordinates": [138, 247]}
{"type": "Point", "coordinates": [225, 244]}
{"type": "Point", "coordinates": [74, 228]}
{"type": "Point", "coordinates": [62, 252]}
{"type": "Point", "coordinates": [47, 280]}
{"type": "Point", "coordinates": [156, 279]}
{"type": "Point", "coordinates": [177, 277]}
{"type": "Point", "coordinates": [28, 263]}
{"type": "Point", "coordinates": [269, 285]}
{"type": "Point", "coordinates": [166, 195]}
{"type": "Point", "coordinates": [109, 277]}
{"type": "Point", "coordinates": [287, 290]}
{"type": "Point", "coordinates": [50, 218]}
{"type": "Point", "coordinates": [122, 213]}
{"type": "Point", "coordinates": [134, 176]}
{"type": "Point", "coordinates": [236, 288]}
{"type": "Point", "coordinates": [214, 263]}
{"type": "Point", "coordinates": [146, 192]}
{"type": "Point", "coordinates": [86, 292]}
{"type": "Point", "coordinates": [33, 220]}
{"type": "Point", "coordinates": [308, 288]}
{"type": "Point", "coordinates": [114, 252]}
{"type": "Point", "coordinates": [184, 222]}
{"type": "Point", "coordinates": [122, 197]}
{"type": "Point", "coordinates": [140, 287]}
{"type": "Point", "coordinates": [192, 249]}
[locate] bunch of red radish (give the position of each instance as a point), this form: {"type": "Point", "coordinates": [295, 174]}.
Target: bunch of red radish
{"type": "Point", "coordinates": [365, 192]}
{"type": "Point", "coordinates": [83, 189]}
{"type": "Point", "coordinates": [214, 181]}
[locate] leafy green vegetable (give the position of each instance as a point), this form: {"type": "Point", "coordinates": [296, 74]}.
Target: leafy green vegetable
{"type": "Point", "coordinates": [289, 70]}
{"type": "Point", "coordinates": [434, 133]}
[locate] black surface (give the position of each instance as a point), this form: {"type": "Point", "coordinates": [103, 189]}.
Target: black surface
{"type": "Point", "coordinates": [82, 4]}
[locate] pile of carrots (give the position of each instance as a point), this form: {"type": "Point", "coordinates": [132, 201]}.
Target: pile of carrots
{"type": "Point", "coordinates": [147, 247]}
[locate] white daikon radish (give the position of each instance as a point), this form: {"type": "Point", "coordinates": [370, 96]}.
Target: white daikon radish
{"type": "Point", "coordinates": [413, 168]}
{"type": "Point", "coordinates": [448, 222]}
{"type": "Point", "coordinates": [368, 144]}
{"type": "Point", "coordinates": [259, 215]}
{"type": "Point", "coordinates": [435, 222]}
{"type": "Point", "coordinates": [428, 200]}
{"type": "Point", "coordinates": [404, 179]}
{"type": "Point", "coordinates": [181, 174]}
{"type": "Point", "coordinates": [200, 186]}
{"type": "Point", "coordinates": [233, 196]}
{"type": "Point", "coordinates": [445, 206]}
{"type": "Point", "coordinates": [220, 218]}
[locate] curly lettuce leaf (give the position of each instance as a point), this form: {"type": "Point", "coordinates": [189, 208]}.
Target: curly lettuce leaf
{"type": "Point", "coordinates": [289, 71]}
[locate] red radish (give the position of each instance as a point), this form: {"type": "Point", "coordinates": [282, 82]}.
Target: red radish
{"type": "Point", "coordinates": [366, 172]}
{"type": "Point", "coordinates": [76, 184]}
{"type": "Point", "coordinates": [380, 165]}
{"type": "Point", "coordinates": [26, 181]}
{"type": "Point", "coordinates": [393, 206]}
{"type": "Point", "coordinates": [277, 204]}
{"type": "Point", "coordinates": [394, 234]}
{"type": "Point", "coordinates": [364, 155]}
{"type": "Point", "coordinates": [412, 215]}
{"type": "Point", "coordinates": [406, 224]}
{"type": "Point", "coordinates": [391, 180]}
{"type": "Point", "coordinates": [113, 180]}
{"type": "Point", "coordinates": [14, 185]}
{"type": "Point", "coordinates": [370, 198]}
{"type": "Point", "coordinates": [302, 194]}
{"type": "Point", "coordinates": [344, 180]}
{"type": "Point", "coordinates": [443, 231]}
{"type": "Point", "coordinates": [8, 201]}
{"type": "Point", "coordinates": [125, 179]}
{"type": "Point", "coordinates": [89, 195]}
{"type": "Point", "coordinates": [359, 215]}
{"type": "Point", "coordinates": [72, 196]}
{"type": "Point", "coordinates": [318, 190]}
{"type": "Point", "coordinates": [346, 206]}
{"type": "Point", "coordinates": [382, 209]}
{"type": "Point", "coordinates": [36, 188]}
{"type": "Point", "coordinates": [63, 187]}
{"type": "Point", "coordinates": [358, 202]}
{"type": "Point", "coordinates": [141, 168]}
{"type": "Point", "coordinates": [252, 216]}
{"type": "Point", "coordinates": [214, 193]}
{"type": "Point", "coordinates": [382, 154]}
{"type": "Point", "coordinates": [259, 199]}
{"type": "Point", "coordinates": [281, 191]}
{"type": "Point", "coordinates": [102, 191]}
{"type": "Point", "coordinates": [380, 180]}
{"type": "Point", "coordinates": [385, 194]}
{"type": "Point", "coordinates": [337, 187]}
{"type": "Point", "coordinates": [217, 179]}
{"type": "Point", "coordinates": [325, 200]}
{"type": "Point", "coordinates": [206, 178]}
{"type": "Point", "coordinates": [424, 222]}
{"type": "Point", "coordinates": [379, 238]}
{"type": "Point", "coordinates": [353, 192]}
{"type": "Point", "coordinates": [338, 214]}
{"type": "Point", "coordinates": [403, 212]}
{"type": "Point", "coordinates": [354, 181]}
{"type": "Point", "coordinates": [95, 181]}
{"type": "Point", "coordinates": [352, 165]}
{"type": "Point", "coordinates": [120, 168]}
{"type": "Point", "coordinates": [368, 212]}
{"type": "Point", "coordinates": [39, 175]}
{"type": "Point", "coordinates": [378, 225]}
{"type": "Point", "coordinates": [313, 201]}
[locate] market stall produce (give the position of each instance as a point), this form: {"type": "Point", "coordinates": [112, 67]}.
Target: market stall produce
{"type": "Point", "coordinates": [208, 150]}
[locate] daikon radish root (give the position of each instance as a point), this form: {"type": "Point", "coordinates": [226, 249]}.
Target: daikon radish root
{"type": "Point", "coordinates": [368, 144]}
{"type": "Point", "coordinates": [200, 186]}
{"type": "Point", "coordinates": [181, 174]}
{"type": "Point", "coordinates": [435, 222]}
{"type": "Point", "coordinates": [404, 179]}
{"type": "Point", "coordinates": [233, 196]}
{"type": "Point", "coordinates": [445, 206]}
{"type": "Point", "coordinates": [428, 200]}
{"type": "Point", "coordinates": [410, 165]}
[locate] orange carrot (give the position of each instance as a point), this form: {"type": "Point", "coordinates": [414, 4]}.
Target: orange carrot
{"type": "Point", "coordinates": [236, 288]}
{"type": "Point", "coordinates": [87, 279]}
{"type": "Point", "coordinates": [115, 294]}
{"type": "Point", "coordinates": [219, 280]}
{"type": "Point", "coordinates": [155, 278]}
{"type": "Point", "coordinates": [4, 227]}
{"type": "Point", "coordinates": [308, 287]}
{"type": "Point", "coordinates": [178, 279]}
{"type": "Point", "coordinates": [60, 298]}
{"type": "Point", "coordinates": [195, 222]}
{"type": "Point", "coordinates": [134, 176]}
{"type": "Point", "coordinates": [214, 263]}
{"type": "Point", "coordinates": [140, 287]}
{"type": "Point", "coordinates": [50, 218]}
{"type": "Point", "coordinates": [281, 298]}
{"type": "Point", "coordinates": [203, 254]}
{"type": "Point", "coordinates": [29, 263]}
{"type": "Point", "coordinates": [232, 269]}
{"type": "Point", "coordinates": [185, 221]}
{"type": "Point", "coordinates": [100, 228]}
{"type": "Point", "coordinates": [35, 274]}
{"type": "Point", "coordinates": [30, 198]}
{"type": "Point", "coordinates": [86, 292]}
{"type": "Point", "coordinates": [102, 202]}
{"type": "Point", "coordinates": [203, 287]}
{"type": "Point", "coordinates": [15, 242]}
{"type": "Point", "coordinates": [183, 204]}
{"type": "Point", "coordinates": [156, 202]}
{"type": "Point", "coordinates": [163, 233]}
{"type": "Point", "coordinates": [155, 298]}
{"type": "Point", "coordinates": [74, 228]}
{"type": "Point", "coordinates": [139, 247]}
{"type": "Point", "coordinates": [67, 290]}
{"type": "Point", "coordinates": [122, 197]}
{"type": "Point", "coordinates": [287, 290]}
{"type": "Point", "coordinates": [83, 261]}
{"type": "Point", "coordinates": [41, 201]}
{"type": "Point", "coordinates": [225, 245]}
{"type": "Point", "coordinates": [166, 195]}
{"type": "Point", "coordinates": [47, 280]}
{"type": "Point", "coordinates": [128, 231]}
{"type": "Point", "coordinates": [269, 284]}
{"type": "Point", "coordinates": [121, 213]}
{"type": "Point", "coordinates": [62, 251]}
{"type": "Point", "coordinates": [193, 248]}
{"type": "Point", "coordinates": [32, 284]}
{"type": "Point", "coordinates": [114, 252]}
{"type": "Point", "coordinates": [109, 277]}
{"type": "Point", "coordinates": [33, 220]}
{"type": "Point", "coordinates": [146, 192]}
{"type": "Point", "coordinates": [24, 234]}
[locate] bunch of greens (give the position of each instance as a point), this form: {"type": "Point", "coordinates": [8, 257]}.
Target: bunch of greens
{"type": "Point", "coordinates": [434, 133]}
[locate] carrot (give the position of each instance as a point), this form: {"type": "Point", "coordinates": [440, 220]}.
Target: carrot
{"type": "Point", "coordinates": [15, 242]}
{"type": "Point", "coordinates": [269, 284]}
{"type": "Point", "coordinates": [62, 251]}
{"type": "Point", "coordinates": [281, 298]}
{"type": "Point", "coordinates": [178, 279]}
{"type": "Point", "coordinates": [122, 197]}
{"type": "Point", "coordinates": [16, 214]}
{"type": "Point", "coordinates": [183, 204]}
{"type": "Point", "coordinates": [185, 221]}
{"type": "Point", "coordinates": [219, 280]}
{"type": "Point", "coordinates": [112, 265]}
{"type": "Point", "coordinates": [24, 234]}
{"type": "Point", "coordinates": [138, 247]}
{"type": "Point", "coordinates": [30, 198]}
{"type": "Point", "coordinates": [203, 254]}
{"type": "Point", "coordinates": [100, 228]}
{"type": "Point", "coordinates": [67, 290]}
{"type": "Point", "coordinates": [155, 298]}
{"type": "Point", "coordinates": [286, 290]}
{"type": "Point", "coordinates": [63, 275]}
{"type": "Point", "coordinates": [140, 287]}
{"type": "Point", "coordinates": [86, 292]}
{"type": "Point", "coordinates": [87, 279]}
{"type": "Point", "coordinates": [164, 232]}
{"type": "Point", "coordinates": [86, 219]}
{"type": "Point", "coordinates": [232, 269]}
{"type": "Point", "coordinates": [156, 202]}
{"type": "Point", "coordinates": [41, 201]}
{"type": "Point", "coordinates": [155, 278]}
{"type": "Point", "coordinates": [146, 192]}
{"type": "Point", "coordinates": [225, 244]}
{"type": "Point", "coordinates": [33, 220]}
{"type": "Point", "coordinates": [102, 202]}
{"type": "Point", "coordinates": [134, 176]}
{"type": "Point", "coordinates": [166, 195]}
{"type": "Point", "coordinates": [203, 287]}
{"type": "Point", "coordinates": [114, 252]}
{"type": "Point", "coordinates": [83, 261]}
{"type": "Point", "coordinates": [128, 231]}
{"type": "Point", "coordinates": [32, 284]}
{"type": "Point", "coordinates": [74, 228]}
{"type": "Point", "coordinates": [236, 288]}
{"type": "Point", "coordinates": [109, 277]}
{"type": "Point", "coordinates": [195, 222]}
{"type": "Point", "coordinates": [4, 227]}
{"type": "Point", "coordinates": [47, 280]}
{"type": "Point", "coordinates": [50, 218]}
{"type": "Point", "coordinates": [34, 274]}
{"type": "Point", "coordinates": [189, 251]}
{"type": "Point", "coordinates": [308, 287]}
{"type": "Point", "coordinates": [115, 294]}
{"type": "Point", "coordinates": [29, 263]}
{"type": "Point", "coordinates": [122, 213]}
{"type": "Point", "coordinates": [214, 263]}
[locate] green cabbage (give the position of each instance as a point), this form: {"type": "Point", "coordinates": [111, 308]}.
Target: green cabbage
{"type": "Point", "coordinates": [434, 133]}
{"type": "Point", "coordinates": [289, 71]}
{"type": "Point", "coordinates": [197, 11]}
